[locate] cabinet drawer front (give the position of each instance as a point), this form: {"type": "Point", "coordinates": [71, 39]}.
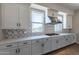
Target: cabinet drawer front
{"type": "Point", "coordinates": [24, 43]}
{"type": "Point", "coordinates": [9, 45]}
{"type": "Point", "coordinates": [37, 41]}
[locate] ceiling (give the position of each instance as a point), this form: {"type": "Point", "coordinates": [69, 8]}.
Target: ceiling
{"type": "Point", "coordinates": [72, 6]}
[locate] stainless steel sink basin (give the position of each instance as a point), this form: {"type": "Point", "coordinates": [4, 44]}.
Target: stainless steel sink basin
{"type": "Point", "coordinates": [51, 34]}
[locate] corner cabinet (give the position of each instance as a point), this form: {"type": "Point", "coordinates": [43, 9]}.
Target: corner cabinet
{"type": "Point", "coordinates": [14, 16]}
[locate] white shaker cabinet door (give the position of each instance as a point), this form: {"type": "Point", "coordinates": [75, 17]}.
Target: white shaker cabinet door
{"type": "Point", "coordinates": [9, 16]}
{"type": "Point", "coordinates": [69, 21]}
{"type": "Point", "coordinates": [57, 42]}
{"type": "Point", "coordinates": [47, 45]}
{"type": "Point", "coordinates": [24, 16]}
{"type": "Point", "coordinates": [54, 43]}
{"type": "Point", "coordinates": [61, 42]}
{"type": "Point", "coordinates": [25, 50]}
{"type": "Point", "coordinates": [37, 47]}
{"type": "Point", "coordinates": [24, 47]}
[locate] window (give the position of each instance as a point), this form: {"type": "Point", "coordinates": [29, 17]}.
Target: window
{"type": "Point", "coordinates": [37, 20]}
{"type": "Point", "coordinates": [59, 27]}
{"type": "Point", "coordinates": [62, 18]}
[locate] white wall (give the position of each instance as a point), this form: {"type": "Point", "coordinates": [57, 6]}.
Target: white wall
{"type": "Point", "coordinates": [75, 24]}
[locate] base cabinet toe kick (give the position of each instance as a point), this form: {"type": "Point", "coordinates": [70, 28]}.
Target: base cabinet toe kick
{"type": "Point", "coordinates": [37, 46]}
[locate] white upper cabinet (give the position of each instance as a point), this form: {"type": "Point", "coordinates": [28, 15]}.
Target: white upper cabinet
{"type": "Point", "coordinates": [9, 16]}
{"type": "Point", "coordinates": [15, 16]}
{"type": "Point", "coordinates": [24, 16]}
{"type": "Point", "coordinates": [68, 22]}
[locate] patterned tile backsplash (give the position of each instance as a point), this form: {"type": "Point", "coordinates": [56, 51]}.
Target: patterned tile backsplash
{"type": "Point", "coordinates": [18, 33]}
{"type": "Point", "coordinates": [13, 33]}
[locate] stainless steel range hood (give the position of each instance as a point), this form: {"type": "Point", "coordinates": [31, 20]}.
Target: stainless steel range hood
{"type": "Point", "coordinates": [52, 15]}
{"type": "Point", "coordinates": [54, 20]}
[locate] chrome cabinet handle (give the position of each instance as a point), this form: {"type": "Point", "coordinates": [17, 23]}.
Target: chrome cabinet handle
{"type": "Point", "coordinates": [18, 51]}
{"type": "Point", "coordinates": [66, 39]}
{"type": "Point", "coordinates": [73, 37]}
{"type": "Point", "coordinates": [9, 45]}
{"type": "Point", "coordinates": [18, 24]}
{"type": "Point", "coordinates": [37, 41]}
{"type": "Point", "coordinates": [25, 43]}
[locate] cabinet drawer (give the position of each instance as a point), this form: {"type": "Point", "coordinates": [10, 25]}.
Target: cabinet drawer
{"type": "Point", "coordinates": [9, 45]}
{"type": "Point", "coordinates": [37, 41]}
{"type": "Point", "coordinates": [24, 43]}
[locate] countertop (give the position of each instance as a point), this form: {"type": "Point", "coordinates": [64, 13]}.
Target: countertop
{"type": "Point", "coordinates": [5, 41]}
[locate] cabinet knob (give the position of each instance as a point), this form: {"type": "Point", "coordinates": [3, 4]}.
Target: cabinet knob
{"type": "Point", "coordinates": [57, 41]}
{"type": "Point", "coordinates": [42, 45]}
{"type": "Point", "coordinates": [47, 39]}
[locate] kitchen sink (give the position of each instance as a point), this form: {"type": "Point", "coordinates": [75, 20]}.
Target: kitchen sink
{"type": "Point", "coordinates": [51, 34]}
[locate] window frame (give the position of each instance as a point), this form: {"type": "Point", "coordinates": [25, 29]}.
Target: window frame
{"type": "Point", "coordinates": [38, 22]}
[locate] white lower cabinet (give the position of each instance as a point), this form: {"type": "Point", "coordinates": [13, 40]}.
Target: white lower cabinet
{"type": "Point", "coordinates": [10, 51]}
{"type": "Point", "coordinates": [70, 39]}
{"type": "Point", "coordinates": [19, 48]}
{"type": "Point", "coordinates": [61, 41]}
{"type": "Point", "coordinates": [37, 47]}
{"type": "Point", "coordinates": [54, 43]}
{"type": "Point", "coordinates": [57, 43]}
{"type": "Point", "coordinates": [47, 45]}
{"type": "Point", "coordinates": [25, 50]}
